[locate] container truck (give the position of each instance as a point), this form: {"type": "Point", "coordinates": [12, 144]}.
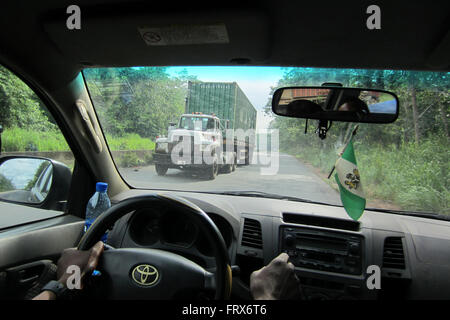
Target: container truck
{"type": "Point", "coordinates": [216, 132]}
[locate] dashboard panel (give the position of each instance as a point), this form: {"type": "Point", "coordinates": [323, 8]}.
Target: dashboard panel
{"type": "Point", "coordinates": [333, 255]}
{"type": "Point", "coordinates": [161, 229]}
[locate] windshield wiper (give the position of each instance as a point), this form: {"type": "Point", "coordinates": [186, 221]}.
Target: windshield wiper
{"type": "Point", "coordinates": [260, 194]}
{"type": "Point", "coordinates": [428, 215]}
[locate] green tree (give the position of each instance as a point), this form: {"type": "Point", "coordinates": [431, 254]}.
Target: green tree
{"type": "Point", "coordinates": [5, 184]}
{"type": "Point", "coordinates": [137, 100]}
{"type": "Point", "coordinates": [19, 105]}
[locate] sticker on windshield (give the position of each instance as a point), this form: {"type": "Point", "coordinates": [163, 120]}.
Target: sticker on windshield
{"type": "Point", "coordinates": [184, 34]}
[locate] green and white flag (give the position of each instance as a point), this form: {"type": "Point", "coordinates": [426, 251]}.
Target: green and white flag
{"type": "Point", "coordinates": [349, 182]}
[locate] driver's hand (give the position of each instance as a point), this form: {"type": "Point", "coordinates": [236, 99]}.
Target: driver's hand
{"type": "Point", "coordinates": [87, 261]}
{"type": "Point", "coordinates": [275, 281]}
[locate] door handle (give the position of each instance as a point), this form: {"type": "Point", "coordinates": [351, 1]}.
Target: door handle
{"type": "Point", "coordinates": [27, 274]}
{"type": "Point", "coordinates": [26, 277]}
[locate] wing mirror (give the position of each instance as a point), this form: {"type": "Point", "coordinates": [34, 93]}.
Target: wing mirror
{"type": "Point", "coordinates": [336, 104]}
{"type": "Point", "coordinates": [34, 181]}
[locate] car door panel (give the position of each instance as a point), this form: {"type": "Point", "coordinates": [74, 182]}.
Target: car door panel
{"type": "Point", "coordinates": [40, 243]}
{"type": "Point", "coordinates": [12, 215]}
{"type": "Point", "coordinates": [28, 253]}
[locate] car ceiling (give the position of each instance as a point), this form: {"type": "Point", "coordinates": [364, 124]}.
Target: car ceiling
{"type": "Point", "coordinates": [34, 37]}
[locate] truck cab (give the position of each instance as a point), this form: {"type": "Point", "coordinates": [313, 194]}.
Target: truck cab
{"type": "Point", "coordinates": [196, 144]}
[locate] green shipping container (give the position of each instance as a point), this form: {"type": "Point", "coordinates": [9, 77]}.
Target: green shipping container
{"type": "Point", "coordinates": [224, 99]}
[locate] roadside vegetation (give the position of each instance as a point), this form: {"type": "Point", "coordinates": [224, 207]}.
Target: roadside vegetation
{"type": "Point", "coordinates": [28, 127]}
{"type": "Point", "coordinates": [403, 165]}
{"type": "Point", "coordinates": [21, 140]}
{"type": "Point", "coordinates": [5, 184]}
{"type": "Point", "coordinates": [380, 167]}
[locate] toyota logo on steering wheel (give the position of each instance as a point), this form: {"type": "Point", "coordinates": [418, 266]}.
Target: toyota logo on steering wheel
{"type": "Point", "coordinates": [145, 275]}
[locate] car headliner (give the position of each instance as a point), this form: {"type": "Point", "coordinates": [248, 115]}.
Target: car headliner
{"type": "Point", "coordinates": [35, 39]}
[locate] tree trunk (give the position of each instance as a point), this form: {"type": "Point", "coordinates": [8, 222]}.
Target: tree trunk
{"type": "Point", "coordinates": [415, 115]}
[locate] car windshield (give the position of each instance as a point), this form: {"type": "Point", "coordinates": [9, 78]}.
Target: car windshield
{"type": "Point", "coordinates": [402, 166]}
{"type": "Point", "coordinates": [196, 123]}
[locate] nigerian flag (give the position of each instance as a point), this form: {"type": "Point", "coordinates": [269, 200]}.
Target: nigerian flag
{"type": "Point", "coordinates": [348, 180]}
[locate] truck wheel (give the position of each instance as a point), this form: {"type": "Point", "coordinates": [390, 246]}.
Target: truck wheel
{"type": "Point", "coordinates": [233, 167]}
{"type": "Point", "coordinates": [247, 157]}
{"type": "Point", "coordinates": [161, 170]}
{"type": "Point", "coordinates": [229, 168]}
{"type": "Point", "coordinates": [213, 169]}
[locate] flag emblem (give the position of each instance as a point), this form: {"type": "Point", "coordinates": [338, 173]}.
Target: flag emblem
{"type": "Point", "coordinates": [353, 179]}
{"type": "Point", "coordinates": [349, 181]}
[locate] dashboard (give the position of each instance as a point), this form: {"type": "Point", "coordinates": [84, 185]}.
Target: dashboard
{"type": "Point", "coordinates": [334, 256]}
{"type": "Point", "coordinates": [165, 230]}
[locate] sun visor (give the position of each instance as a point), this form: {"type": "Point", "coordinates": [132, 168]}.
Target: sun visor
{"type": "Point", "coordinates": [180, 39]}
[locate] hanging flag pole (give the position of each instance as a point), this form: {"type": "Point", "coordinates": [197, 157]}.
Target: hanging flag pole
{"type": "Point", "coordinates": [345, 147]}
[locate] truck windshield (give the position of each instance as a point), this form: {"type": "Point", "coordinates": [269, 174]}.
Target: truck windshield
{"type": "Point", "coordinates": [196, 123]}
{"type": "Point", "coordinates": [156, 121]}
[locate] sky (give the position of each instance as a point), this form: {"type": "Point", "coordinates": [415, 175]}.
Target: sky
{"type": "Point", "coordinates": [254, 81]}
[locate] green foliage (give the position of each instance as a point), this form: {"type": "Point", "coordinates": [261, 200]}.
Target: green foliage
{"type": "Point", "coordinates": [413, 177]}
{"type": "Point", "coordinates": [129, 160]}
{"type": "Point", "coordinates": [136, 100]}
{"type": "Point", "coordinates": [5, 184]}
{"type": "Point", "coordinates": [18, 139]}
{"type": "Point", "coordinates": [394, 165]}
{"type": "Point", "coordinates": [20, 107]}
{"type": "Point", "coordinates": [21, 140]}
{"type": "Point", "coordinates": [131, 141]}
{"type": "Point", "coordinates": [38, 172]}
{"type": "Point", "coordinates": [132, 159]}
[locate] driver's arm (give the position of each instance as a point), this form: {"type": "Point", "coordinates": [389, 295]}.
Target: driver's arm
{"type": "Point", "coordinates": [87, 261]}
{"type": "Point", "coordinates": [275, 281]}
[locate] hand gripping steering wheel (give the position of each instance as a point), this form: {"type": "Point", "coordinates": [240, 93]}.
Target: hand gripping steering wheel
{"type": "Point", "coordinates": [138, 273]}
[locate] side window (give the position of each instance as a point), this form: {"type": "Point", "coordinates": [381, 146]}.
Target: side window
{"type": "Point", "coordinates": [35, 162]}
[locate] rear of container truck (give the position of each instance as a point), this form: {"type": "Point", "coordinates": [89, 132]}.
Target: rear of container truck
{"type": "Point", "coordinates": [228, 102]}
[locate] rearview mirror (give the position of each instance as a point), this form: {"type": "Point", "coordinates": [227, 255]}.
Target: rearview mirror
{"type": "Point", "coordinates": [336, 104]}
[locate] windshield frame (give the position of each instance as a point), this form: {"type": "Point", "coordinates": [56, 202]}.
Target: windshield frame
{"type": "Point", "coordinates": [154, 187]}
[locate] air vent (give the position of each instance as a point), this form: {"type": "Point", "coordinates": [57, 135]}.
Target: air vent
{"type": "Point", "coordinates": [251, 235]}
{"type": "Point", "coordinates": [393, 255]}
{"type": "Point", "coordinates": [325, 222]}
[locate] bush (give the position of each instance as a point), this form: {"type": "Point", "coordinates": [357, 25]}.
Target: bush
{"type": "Point", "coordinates": [413, 177]}
{"type": "Point", "coordinates": [129, 159]}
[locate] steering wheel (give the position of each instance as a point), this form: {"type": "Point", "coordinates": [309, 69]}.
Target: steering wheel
{"type": "Point", "coordinates": [138, 273]}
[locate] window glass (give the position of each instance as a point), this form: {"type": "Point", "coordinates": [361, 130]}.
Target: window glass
{"type": "Point", "coordinates": [401, 166]}
{"type": "Point", "coordinates": [28, 130]}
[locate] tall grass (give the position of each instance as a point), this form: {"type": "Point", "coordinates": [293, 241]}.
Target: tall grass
{"type": "Point", "coordinates": [131, 141]}
{"type": "Point", "coordinates": [413, 177]}
{"type": "Point", "coordinates": [20, 140]}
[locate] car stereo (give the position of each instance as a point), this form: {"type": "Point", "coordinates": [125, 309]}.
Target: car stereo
{"type": "Point", "coordinates": [323, 250]}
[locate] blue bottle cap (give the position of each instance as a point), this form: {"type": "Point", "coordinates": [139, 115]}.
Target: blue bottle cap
{"type": "Point", "coordinates": [101, 186]}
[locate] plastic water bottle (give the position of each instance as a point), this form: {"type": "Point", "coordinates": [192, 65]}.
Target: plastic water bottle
{"type": "Point", "coordinates": [98, 204]}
